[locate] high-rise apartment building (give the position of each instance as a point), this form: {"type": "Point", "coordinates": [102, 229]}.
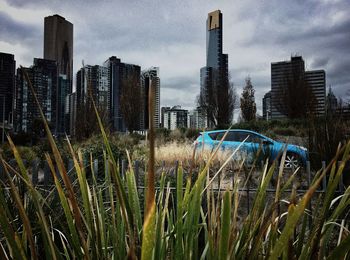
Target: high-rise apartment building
{"type": "Point", "coordinates": [7, 86]}
{"type": "Point", "coordinates": [150, 78]}
{"type": "Point", "coordinates": [175, 117]}
{"type": "Point", "coordinates": [43, 76]}
{"type": "Point", "coordinates": [93, 80]}
{"type": "Point", "coordinates": [214, 76]}
{"type": "Point", "coordinates": [293, 72]}
{"type": "Point", "coordinates": [119, 72]}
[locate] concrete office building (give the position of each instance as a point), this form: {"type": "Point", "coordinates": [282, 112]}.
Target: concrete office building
{"type": "Point", "coordinates": [58, 44]}
{"type": "Point", "coordinates": [148, 77]}
{"type": "Point", "coordinates": [7, 86]}
{"type": "Point", "coordinates": [316, 80]}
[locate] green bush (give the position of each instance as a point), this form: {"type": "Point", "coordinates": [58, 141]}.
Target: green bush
{"type": "Point", "coordinates": [284, 131]}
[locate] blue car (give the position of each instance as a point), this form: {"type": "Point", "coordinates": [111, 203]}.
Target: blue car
{"type": "Point", "coordinates": [295, 155]}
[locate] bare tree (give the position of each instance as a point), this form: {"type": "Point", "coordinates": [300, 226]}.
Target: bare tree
{"type": "Point", "coordinates": [248, 106]}
{"type": "Point", "coordinates": [86, 122]}
{"type": "Point", "coordinates": [295, 98]}
{"type": "Point", "coordinates": [130, 102]}
{"type": "Point", "coordinates": [218, 102]}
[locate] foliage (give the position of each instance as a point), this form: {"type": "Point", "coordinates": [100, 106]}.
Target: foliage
{"type": "Point", "coordinates": [248, 106]}
{"type": "Point", "coordinates": [86, 124]}
{"type": "Point", "coordinates": [325, 134]}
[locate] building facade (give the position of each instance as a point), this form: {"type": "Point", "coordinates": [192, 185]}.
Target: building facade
{"type": "Point", "coordinates": [43, 76]}
{"type": "Point", "coordinates": [290, 76]}
{"type": "Point", "coordinates": [150, 77]}
{"type": "Point", "coordinates": [7, 86]}
{"type": "Point", "coordinates": [94, 81]}
{"type": "Point", "coordinates": [316, 80]}
{"type": "Point", "coordinates": [175, 117]}
{"type": "Point", "coordinates": [118, 74]}
{"type": "Point", "coordinates": [58, 46]}
{"type": "Point", "coordinates": [267, 106]}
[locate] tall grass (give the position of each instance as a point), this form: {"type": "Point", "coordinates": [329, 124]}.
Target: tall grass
{"type": "Point", "coordinates": [81, 217]}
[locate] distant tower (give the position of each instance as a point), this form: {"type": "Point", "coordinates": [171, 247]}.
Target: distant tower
{"type": "Point", "coordinates": [58, 44]}
{"type": "Point", "coordinates": [214, 76]}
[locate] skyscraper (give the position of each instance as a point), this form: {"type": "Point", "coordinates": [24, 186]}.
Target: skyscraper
{"type": "Point", "coordinates": [214, 76]}
{"type": "Point", "coordinates": [7, 86]}
{"type": "Point", "coordinates": [58, 44]}
{"type": "Point", "coordinates": [148, 77]}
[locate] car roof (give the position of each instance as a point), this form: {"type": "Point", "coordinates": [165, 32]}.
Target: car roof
{"type": "Point", "coordinates": [235, 130]}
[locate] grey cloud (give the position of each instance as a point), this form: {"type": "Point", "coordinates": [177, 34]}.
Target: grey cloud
{"type": "Point", "coordinates": [13, 31]}
{"type": "Point", "coordinates": [320, 62]}
{"type": "Point", "coordinates": [145, 33]}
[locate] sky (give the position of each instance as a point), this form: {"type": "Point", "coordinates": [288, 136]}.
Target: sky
{"type": "Point", "coordinates": [171, 35]}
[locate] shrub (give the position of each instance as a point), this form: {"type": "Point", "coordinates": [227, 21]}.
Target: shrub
{"type": "Point", "coordinates": [284, 131]}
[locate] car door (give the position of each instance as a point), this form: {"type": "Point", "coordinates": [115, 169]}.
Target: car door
{"type": "Point", "coordinates": [259, 146]}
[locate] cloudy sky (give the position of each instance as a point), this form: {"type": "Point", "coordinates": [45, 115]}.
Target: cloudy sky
{"type": "Point", "coordinates": [172, 36]}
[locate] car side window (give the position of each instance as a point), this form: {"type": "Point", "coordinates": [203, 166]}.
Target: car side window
{"type": "Point", "coordinates": [229, 137]}
{"type": "Point", "coordinates": [253, 138]}
{"type": "Point", "coordinates": [240, 136]}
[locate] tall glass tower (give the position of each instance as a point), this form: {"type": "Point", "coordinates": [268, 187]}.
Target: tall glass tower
{"type": "Point", "coordinates": [214, 76]}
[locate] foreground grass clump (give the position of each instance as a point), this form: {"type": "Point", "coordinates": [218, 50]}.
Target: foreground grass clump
{"type": "Point", "coordinates": [90, 219]}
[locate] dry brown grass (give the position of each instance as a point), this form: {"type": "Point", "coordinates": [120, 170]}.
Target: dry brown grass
{"type": "Point", "coordinates": [183, 152]}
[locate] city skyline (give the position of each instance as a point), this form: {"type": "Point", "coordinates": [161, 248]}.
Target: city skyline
{"type": "Point", "coordinates": [172, 36]}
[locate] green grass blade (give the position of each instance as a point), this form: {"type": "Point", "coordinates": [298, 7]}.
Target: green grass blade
{"type": "Point", "coordinates": [225, 227]}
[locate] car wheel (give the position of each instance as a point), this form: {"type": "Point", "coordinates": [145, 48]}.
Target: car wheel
{"type": "Point", "coordinates": [292, 161]}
